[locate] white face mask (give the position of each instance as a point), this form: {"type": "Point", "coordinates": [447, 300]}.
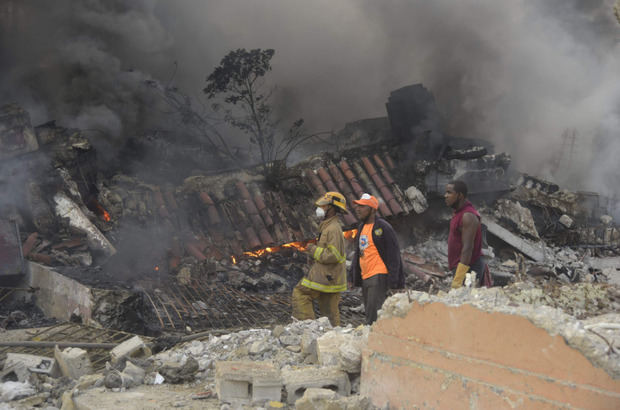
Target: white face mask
{"type": "Point", "coordinates": [320, 213]}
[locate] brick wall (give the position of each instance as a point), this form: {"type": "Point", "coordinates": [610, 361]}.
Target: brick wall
{"type": "Point", "coordinates": [441, 357]}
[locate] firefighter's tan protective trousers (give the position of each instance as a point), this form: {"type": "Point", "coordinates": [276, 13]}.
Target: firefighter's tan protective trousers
{"type": "Point", "coordinates": [302, 304]}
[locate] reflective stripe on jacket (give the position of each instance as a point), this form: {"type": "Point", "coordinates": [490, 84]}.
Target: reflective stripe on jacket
{"type": "Point", "coordinates": [328, 272]}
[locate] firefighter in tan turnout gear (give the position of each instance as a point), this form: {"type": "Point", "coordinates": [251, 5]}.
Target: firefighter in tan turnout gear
{"type": "Point", "coordinates": [327, 277]}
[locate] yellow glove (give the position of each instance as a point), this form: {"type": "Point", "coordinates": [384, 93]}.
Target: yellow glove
{"type": "Point", "coordinates": [459, 276]}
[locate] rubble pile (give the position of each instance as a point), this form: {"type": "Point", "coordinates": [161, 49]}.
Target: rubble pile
{"type": "Point", "coordinates": [304, 355]}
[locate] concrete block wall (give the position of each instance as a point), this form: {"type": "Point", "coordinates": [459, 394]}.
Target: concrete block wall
{"type": "Point", "coordinates": [442, 357]}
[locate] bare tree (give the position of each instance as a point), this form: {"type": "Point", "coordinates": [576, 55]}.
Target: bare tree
{"type": "Point", "coordinates": [239, 79]}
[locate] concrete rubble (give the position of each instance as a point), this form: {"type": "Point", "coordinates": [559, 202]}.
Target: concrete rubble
{"type": "Point", "coordinates": [553, 254]}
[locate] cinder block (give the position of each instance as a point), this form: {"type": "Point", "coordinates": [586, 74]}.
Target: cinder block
{"type": "Point", "coordinates": [247, 382]}
{"type": "Point", "coordinates": [24, 364]}
{"type": "Point", "coordinates": [297, 381]}
{"type": "Point", "coordinates": [73, 362]}
{"type": "Point", "coordinates": [134, 348]}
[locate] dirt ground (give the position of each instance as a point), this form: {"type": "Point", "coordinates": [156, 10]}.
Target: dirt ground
{"type": "Point", "coordinates": [164, 396]}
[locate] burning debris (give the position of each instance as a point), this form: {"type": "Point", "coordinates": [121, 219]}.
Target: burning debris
{"type": "Point", "coordinates": [222, 250]}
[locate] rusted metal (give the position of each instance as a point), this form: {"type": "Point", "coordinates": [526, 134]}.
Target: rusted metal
{"type": "Point", "coordinates": [70, 243]}
{"type": "Point", "coordinates": [202, 306]}
{"type": "Point", "coordinates": [155, 310]}
{"type": "Point", "coordinates": [29, 243]}
{"type": "Point", "coordinates": [41, 258]}
{"type": "Point", "coordinates": [61, 345]}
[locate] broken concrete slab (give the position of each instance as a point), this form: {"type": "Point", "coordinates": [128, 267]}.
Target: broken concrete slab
{"type": "Point", "coordinates": [131, 348]}
{"type": "Point", "coordinates": [475, 346]}
{"type": "Point", "coordinates": [528, 248]}
{"type": "Point", "coordinates": [15, 372]}
{"type": "Point", "coordinates": [513, 213]}
{"type": "Point", "coordinates": [325, 399]}
{"type": "Point", "coordinates": [73, 362]}
{"type": "Point", "coordinates": [340, 349]}
{"type": "Point", "coordinates": [247, 382]}
{"type": "Point", "coordinates": [67, 208]}
{"type": "Point", "coordinates": [298, 380]}
{"type": "Point", "coordinates": [58, 295]}
{"type": "Point", "coordinates": [33, 363]}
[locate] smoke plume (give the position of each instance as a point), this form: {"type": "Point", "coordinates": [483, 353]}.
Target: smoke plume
{"type": "Point", "coordinates": [516, 73]}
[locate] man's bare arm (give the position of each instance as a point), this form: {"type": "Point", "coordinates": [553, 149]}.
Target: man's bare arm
{"type": "Point", "coordinates": [468, 233]}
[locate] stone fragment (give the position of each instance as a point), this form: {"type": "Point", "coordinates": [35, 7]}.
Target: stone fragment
{"type": "Point", "coordinates": [259, 347]}
{"type": "Point", "coordinates": [518, 216]}
{"type": "Point", "coordinates": [417, 199]}
{"type": "Point", "coordinates": [179, 372]}
{"type": "Point", "coordinates": [290, 340]}
{"type": "Point", "coordinates": [566, 221]}
{"type": "Point", "coordinates": [340, 349]}
{"type": "Point", "coordinates": [13, 390]}
{"type": "Point", "coordinates": [134, 348]}
{"type": "Point", "coordinates": [278, 330]}
{"type": "Point", "coordinates": [134, 373]}
{"type": "Point", "coordinates": [297, 381]}
{"type": "Point", "coordinates": [73, 362]}
{"type": "Point", "coordinates": [308, 344]}
{"type": "Point", "coordinates": [247, 382]}
{"type": "Point", "coordinates": [325, 399]}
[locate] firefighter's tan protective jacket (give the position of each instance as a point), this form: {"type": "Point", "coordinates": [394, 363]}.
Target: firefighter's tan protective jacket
{"type": "Point", "coordinates": [328, 272]}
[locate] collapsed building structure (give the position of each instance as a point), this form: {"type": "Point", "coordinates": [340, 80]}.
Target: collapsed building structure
{"type": "Point", "coordinates": [219, 250]}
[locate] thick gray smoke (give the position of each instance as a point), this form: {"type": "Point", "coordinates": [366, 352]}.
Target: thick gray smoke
{"type": "Point", "coordinates": [517, 73]}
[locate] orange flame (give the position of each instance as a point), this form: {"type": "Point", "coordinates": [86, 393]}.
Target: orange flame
{"type": "Point", "coordinates": [102, 211]}
{"type": "Point", "coordinates": [350, 234]}
{"type": "Point", "coordinates": [300, 246]}
{"type": "Point", "coordinates": [234, 260]}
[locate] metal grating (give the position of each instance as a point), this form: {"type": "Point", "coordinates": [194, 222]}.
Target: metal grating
{"type": "Point", "coordinates": [72, 332]}
{"type": "Point", "coordinates": [6, 292]}
{"type": "Point", "coordinates": [204, 307]}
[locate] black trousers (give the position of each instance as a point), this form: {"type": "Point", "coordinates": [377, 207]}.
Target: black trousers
{"type": "Point", "coordinates": [374, 292]}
